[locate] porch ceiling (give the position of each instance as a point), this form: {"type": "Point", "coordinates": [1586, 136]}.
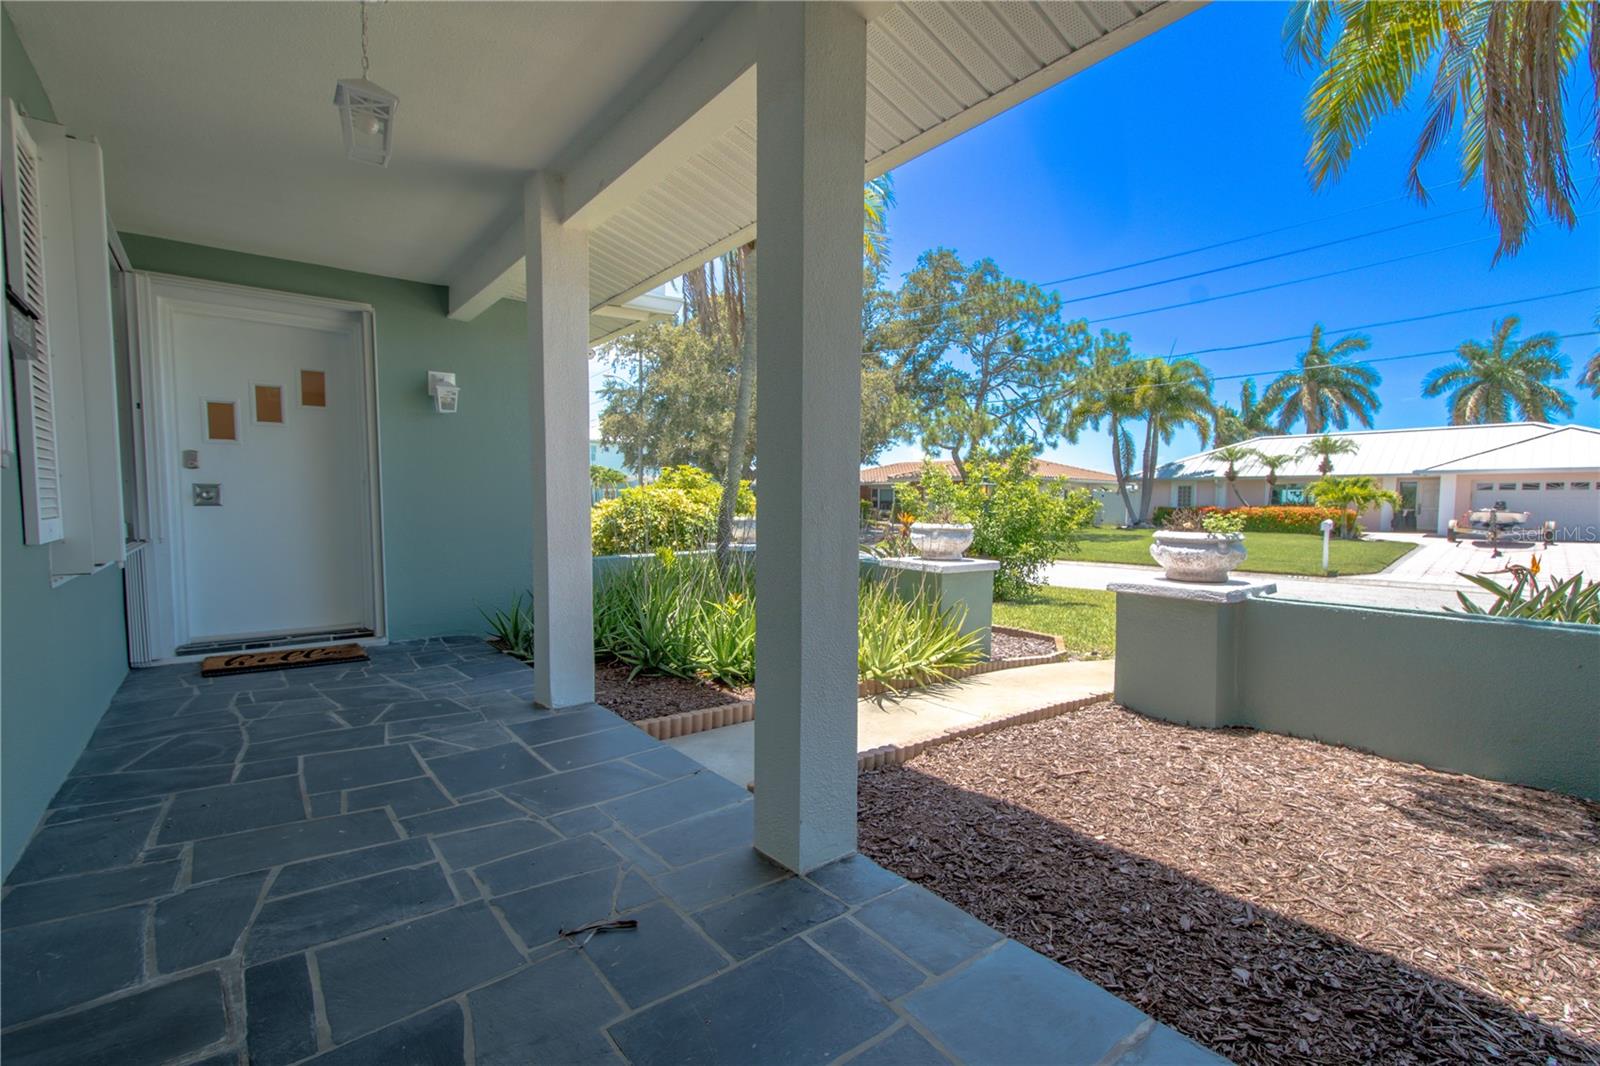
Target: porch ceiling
{"type": "Point", "coordinates": [218, 127]}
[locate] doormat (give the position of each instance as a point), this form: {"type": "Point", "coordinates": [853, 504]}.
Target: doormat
{"type": "Point", "coordinates": [249, 662]}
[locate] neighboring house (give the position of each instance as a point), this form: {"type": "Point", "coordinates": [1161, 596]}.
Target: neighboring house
{"type": "Point", "coordinates": [1440, 472]}
{"type": "Point", "coordinates": [878, 484]}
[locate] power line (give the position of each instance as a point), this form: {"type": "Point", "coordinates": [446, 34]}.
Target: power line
{"type": "Point", "coordinates": [1295, 281]}
{"type": "Point", "coordinates": [1398, 321]}
{"type": "Point", "coordinates": [1263, 259]}
{"type": "Point", "coordinates": [1296, 337]}
{"type": "Point", "coordinates": [1263, 233]}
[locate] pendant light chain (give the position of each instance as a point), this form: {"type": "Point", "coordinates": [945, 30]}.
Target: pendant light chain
{"type": "Point", "coordinates": [364, 63]}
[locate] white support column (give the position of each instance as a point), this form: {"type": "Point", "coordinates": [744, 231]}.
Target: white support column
{"type": "Point", "coordinates": [558, 400]}
{"type": "Point", "coordinates": [811, 121]}
{"type": "Point", "coordinates": [1449, 505]}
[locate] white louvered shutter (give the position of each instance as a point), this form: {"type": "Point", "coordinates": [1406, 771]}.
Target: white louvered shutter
{"type": "Point", "coordinates": [30, 362]}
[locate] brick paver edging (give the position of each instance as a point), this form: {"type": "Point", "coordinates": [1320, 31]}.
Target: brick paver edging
{"type": "Point", "coordinates": [687, 723]}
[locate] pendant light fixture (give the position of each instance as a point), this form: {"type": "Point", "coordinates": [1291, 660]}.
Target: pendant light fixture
{"type": "Point", "coordinates": [366, 111]}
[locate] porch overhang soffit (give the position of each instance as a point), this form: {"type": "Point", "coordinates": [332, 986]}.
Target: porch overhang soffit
{"type": "Point", "coordinates": [667, 181]}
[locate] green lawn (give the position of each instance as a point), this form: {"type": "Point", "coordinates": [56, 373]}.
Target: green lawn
{"type": "Point", "coordinates": [1085, 618]}
{"type": "Point", "coordinates": [1270, 553]}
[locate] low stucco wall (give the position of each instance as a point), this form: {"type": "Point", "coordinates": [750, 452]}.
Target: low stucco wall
{"type": "Point", "coordinates": [1497, 698]}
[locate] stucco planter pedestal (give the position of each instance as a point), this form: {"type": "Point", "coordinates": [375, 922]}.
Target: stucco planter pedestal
{"type": "Point", "coordinates": [1197, 557]}
{"type": "Point", "coordinates": [940, 540]}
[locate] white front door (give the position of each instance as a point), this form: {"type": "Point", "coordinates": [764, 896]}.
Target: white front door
{"type": "Point", "coordinates": [270, 466]}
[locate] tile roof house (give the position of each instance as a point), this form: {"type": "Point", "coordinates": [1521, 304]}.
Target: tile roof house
{"type": "Point", "coordinates": [878, 483]}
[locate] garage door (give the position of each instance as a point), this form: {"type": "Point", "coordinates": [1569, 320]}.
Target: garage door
{"type": "Point", "coordinates": [1574, 505]}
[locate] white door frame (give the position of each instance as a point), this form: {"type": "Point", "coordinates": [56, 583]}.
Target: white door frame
{"type": "Point", "coordinates": [155, 297]}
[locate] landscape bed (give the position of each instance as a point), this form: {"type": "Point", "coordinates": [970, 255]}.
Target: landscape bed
{"type": "Point", "coordinates": [1270, 553]}
{"type": "Point", "coordinates": [647, 696]}
{"type": "Point", "coordinates": [1276, 899]}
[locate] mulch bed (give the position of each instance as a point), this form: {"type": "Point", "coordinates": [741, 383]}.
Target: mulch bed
{"type": "Point", "coordinates": [1003, 645]}
{"type": "Point", "coordinates": [1275, 899]}
{"type": "Point", "coordinates": [657, 695]}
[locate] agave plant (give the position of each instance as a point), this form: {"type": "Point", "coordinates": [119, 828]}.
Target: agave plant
{"type": "Point", "coordinates": [909, 639]}
{"type": "Point", "coordinates": [513, 628]}
{"type": "Point", "coordinates": [1569, 600]}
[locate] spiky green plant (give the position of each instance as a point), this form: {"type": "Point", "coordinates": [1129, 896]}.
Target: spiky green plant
{"type": "Point", "coordinates": [513, 628]}
{"type": "Point", "coordinates": [909, 638]}
{"type": "Point", "coordinates": [1571, 600]}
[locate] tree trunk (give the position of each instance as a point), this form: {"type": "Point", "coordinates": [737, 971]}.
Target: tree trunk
{"type": "Point", "coordinates": [741, 416]}
{"type": "Point", "coordinates": [1147, 471]}
{"type": "Point", "coordinates": [1121, 471]}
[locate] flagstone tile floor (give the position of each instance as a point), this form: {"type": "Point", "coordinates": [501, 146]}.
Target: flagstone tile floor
{"type": "Point", "coordinates": [372, 863]}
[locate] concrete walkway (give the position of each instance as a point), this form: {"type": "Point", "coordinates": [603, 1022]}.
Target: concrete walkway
{"type": "Point", "coordinates": [921, 714]}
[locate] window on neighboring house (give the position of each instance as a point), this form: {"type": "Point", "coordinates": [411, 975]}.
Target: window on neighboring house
{"type": "Point", "coordinates": [1483, 486]}
{"type": "Point", "coordinates": [883, 498]}
{"type": "Point", "coordinates": [1185, 495]}
{"type": "Point", "coordinates": [1582, 486]}
{"type": "Point", "coordinates": [1288, 495]}
{"type": "Point", "coordinates": [1508, 486]}
{"type": "Point", "coordinates": [1555, 486]}
{"type": "Point", "coordinates": [1530, 486]}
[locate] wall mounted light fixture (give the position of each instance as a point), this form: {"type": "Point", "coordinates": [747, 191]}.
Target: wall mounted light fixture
{"type": "Point", "coordinates": [442, 387]}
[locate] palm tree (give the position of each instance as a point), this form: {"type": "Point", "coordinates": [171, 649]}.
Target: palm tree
{"type": "Point", "coordinates": [1324, 448]}
{"type": "Point", "coordinates": [1271, 463]}
{"type": "Point", "coordinates": [1233, 455]}
{"type": "Point", "coordinates": [1488, 381]}
{"type": "Point", "coordinates": [1326, 387]}
{"type": "Point", "coordinates": [1590, 378]}
{"type": "Point", "coordinates": [1168, 395]}
{"type": "Point", "coordinates": [1501, 66]}
{"type": "Point", "coordinates": [1104, 393]}
{"type": "Point", "coordinates": [1356, 495]}
{"type": "Point", "coordinates": [1251, 418]}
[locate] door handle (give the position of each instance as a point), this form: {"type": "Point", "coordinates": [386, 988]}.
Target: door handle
{"type": "Point", "coordinates": [207, 495]}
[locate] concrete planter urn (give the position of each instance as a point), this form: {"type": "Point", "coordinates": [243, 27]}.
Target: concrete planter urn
{"type": "Point", "coordinates": [940, 540]}
{"type": "Point", "coordinates": [1199, 557]}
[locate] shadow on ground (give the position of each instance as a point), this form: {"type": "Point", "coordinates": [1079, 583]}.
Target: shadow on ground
{"type": "Point", "coordinates": [1251, 983]}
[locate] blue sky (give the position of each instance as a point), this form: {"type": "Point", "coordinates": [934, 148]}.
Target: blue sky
{"type": "Point", "coordinates": [1195, 136]}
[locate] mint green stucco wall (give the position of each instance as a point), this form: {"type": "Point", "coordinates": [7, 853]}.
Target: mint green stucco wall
{"type": "Point", "coordinates": [63, 651]}
{"type": "Point", "coordinates": [1499, 698]}
{"type": "Point", "coordinates": [457, 489]}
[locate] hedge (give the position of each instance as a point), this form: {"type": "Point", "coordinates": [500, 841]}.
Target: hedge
{"type": "Point", "coordinates": [1283, 519]}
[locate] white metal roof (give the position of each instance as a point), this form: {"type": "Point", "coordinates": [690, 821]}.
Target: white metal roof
{"type": "Point", "coordinates": [1379, 452]}
{"type": "Point", "coordinates": [1570, 449]}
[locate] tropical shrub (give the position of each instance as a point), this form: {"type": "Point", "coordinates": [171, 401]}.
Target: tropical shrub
{"type": "Point", "coordinates": [677, 511]}
{"type": "Point", "coordinates": [1222, 522]}
{"type": "Point", "coordinates": [1203, 520]}
{"type": "Point", "coordinates": [680, 615]}
{"type": "Point", "coordinates": [1277, 519]}
{"type": "Point", "coordinates": [1572, 600]}
{"type": "Point", "coordinates": [1352, 496]}
{"type": "Point", "coordinates": [683, 615]}
{"type": "Point", "coordinates": [1016, 518]}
